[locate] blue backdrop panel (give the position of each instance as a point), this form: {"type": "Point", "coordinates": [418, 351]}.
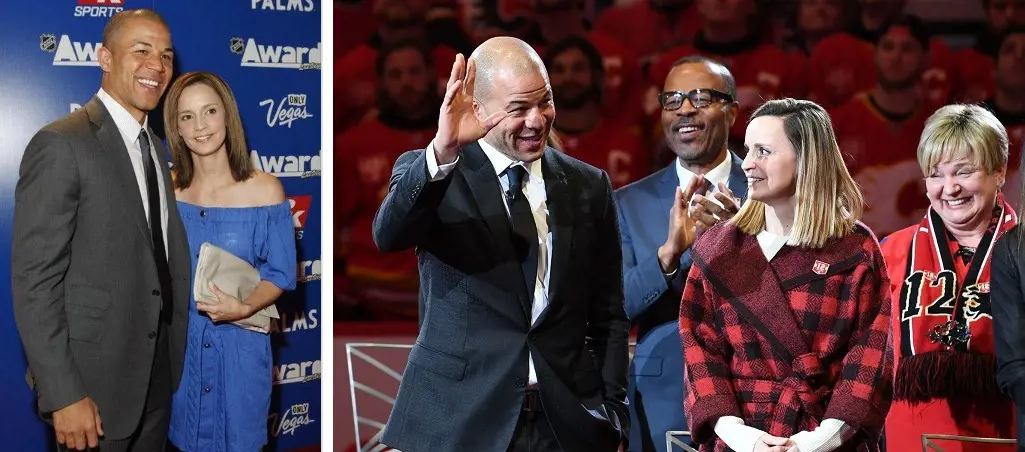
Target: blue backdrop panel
{"type": "Point", "coordinates": [269, 53]}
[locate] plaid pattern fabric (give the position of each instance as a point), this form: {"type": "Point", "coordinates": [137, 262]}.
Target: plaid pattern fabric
{"type": "Point", "coordinates": [787, 344]}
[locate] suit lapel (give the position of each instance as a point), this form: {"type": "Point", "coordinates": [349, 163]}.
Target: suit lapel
{"type": "Point", "coordinates": [111, 143]}
{"type": "Point", "coordinates": [753, 290]}
{"type": "Point", "coordinates": [668, 184]}
{"type": "Point", "coordinates": [480, 177]}
{"type": "Point", "coordinates": [561, 219]}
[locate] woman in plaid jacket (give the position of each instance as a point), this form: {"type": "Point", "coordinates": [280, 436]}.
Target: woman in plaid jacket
{"type": "Point", "coordinates": [786, 310]}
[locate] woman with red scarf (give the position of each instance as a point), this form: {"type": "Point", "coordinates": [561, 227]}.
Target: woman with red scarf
{"type": "Point", "coordinates": [786, 309]}
{"type": "Point", "coordinates": [945, 380]}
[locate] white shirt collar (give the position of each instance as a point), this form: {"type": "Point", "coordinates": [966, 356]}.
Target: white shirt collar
{"type": "Point", "coordinates": [721, 172]}
{"type": "Point", "coordinates": [127, 124]}
{"type": "Point", "coordinates": [501, 162]}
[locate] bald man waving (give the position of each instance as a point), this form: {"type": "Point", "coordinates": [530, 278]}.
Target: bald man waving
{"type": "Point", "coordinates": [524, 339]}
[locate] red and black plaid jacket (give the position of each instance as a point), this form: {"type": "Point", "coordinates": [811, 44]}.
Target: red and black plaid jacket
{"type": "Point", "coordinates": [786, 344]}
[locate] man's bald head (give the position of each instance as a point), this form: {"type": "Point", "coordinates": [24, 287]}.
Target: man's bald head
{"type": "Point", "coordinates": [507, 56]}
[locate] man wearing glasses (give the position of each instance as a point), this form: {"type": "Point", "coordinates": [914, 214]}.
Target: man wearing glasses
{"type": "Point", "coordinates": [660, 217]}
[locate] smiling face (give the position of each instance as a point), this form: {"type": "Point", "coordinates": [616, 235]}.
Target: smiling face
{"type": "Point", "coordinates": [201, 119]}
{"type": "Point", "coordinates": [527, 98]}
{"type": "Point", "coordinates": [697, 135]}
{"type": "Point", "coordinates": [771, 162]}
{"type": "Point", "coordinates": [138, 65]}
{"type": "Point", "coordinates": [963, 193]}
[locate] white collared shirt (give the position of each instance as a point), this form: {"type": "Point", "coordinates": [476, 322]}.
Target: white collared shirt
{"type": "Point", "coordinates": [721, 173]}
{"type": "Point", "coordinates": [130, 129]}
{"type": "Point", "coordinates": [534, 189]}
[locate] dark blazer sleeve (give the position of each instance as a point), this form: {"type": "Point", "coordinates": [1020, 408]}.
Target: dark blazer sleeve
{"type": "Point", "coordinates": [1008, 306]}
{"type": "Point", "coordinates": [407, 212]}
{"type": "Point", "coordinates": [643, 281]}
{"type": "Point", "coordinates": [45, 206]}
{"type": "Point", "coordinates": [608, 326]}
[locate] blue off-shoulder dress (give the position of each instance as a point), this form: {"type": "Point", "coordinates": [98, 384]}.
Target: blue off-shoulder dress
{"type": "Point", "coordinates": [224, 397]}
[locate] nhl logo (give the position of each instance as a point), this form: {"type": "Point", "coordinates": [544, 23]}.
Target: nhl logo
{"type": "Point", "coordinates": [47, 42]}
{"type": "Point", "coordinates": [237, 45]}
{"type": "Point", "coordinates": [820, 268]}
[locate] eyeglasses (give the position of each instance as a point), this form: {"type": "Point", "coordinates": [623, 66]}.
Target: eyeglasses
{"type": "Point", "coordinates": [699, 98]}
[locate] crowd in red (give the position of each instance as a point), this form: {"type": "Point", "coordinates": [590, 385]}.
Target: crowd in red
{"type": "Point", "coordinates": [879, 72]}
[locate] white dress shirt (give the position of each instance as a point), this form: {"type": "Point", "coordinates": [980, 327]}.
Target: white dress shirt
{"type": "Point", "coordinates": [534, 189]}
{"type": "Point", "coordinates": [130, 128]}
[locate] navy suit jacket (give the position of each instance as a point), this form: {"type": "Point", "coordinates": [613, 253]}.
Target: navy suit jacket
{"type": "Point", "coordinates": [656, 388]}
{"type": "Point", "coordinates": [463, 387]}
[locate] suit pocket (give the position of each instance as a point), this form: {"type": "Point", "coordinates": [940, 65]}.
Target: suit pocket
{"type": "Point", "coordinates": [646, 366]}
{"type": "Point", "coordinates": [86, 307]}
{"type": "Point", "coordinates": [438, 362]}
{"type": "Point", "coordinates": [88, 296]}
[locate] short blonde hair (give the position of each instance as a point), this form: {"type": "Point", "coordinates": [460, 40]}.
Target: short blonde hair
{"type": "Point", "coordinates": [962, 131]}
{"type": "Point", "coordinates": [828, 200]}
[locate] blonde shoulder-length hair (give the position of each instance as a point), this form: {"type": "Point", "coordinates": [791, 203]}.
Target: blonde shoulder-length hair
{"type": "Point", "coordinates": [828, 200]}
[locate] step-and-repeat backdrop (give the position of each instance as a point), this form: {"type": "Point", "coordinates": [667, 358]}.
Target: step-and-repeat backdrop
{"type": "Point", "coordinates": [269, 53]}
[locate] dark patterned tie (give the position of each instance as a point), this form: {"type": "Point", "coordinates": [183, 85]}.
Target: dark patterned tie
{"type": "Point", "coordinates": [525, 239]}
{"type": "Point", "coordinates": [156, 228]}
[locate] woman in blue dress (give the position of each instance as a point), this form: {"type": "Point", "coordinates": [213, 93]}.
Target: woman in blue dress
{"type": "Point", "coordinates": [224, 396]}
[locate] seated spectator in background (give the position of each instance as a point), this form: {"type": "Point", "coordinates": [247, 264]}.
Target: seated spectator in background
{"type": "Point", "coordinates": [811, 21]}
{"type": "Point", "coordinates": [1008, 102]}
{"type": "Point", "coordinates": [355, 77]}
{"type": "Point", "coordinates": [974, 77]}
{"type": "Point", "coordinates": [370, 283]}
{"type": "Point", "coordinates": [650, 27]}
{"type": "Point", "coordinates": [762, 70]}
{"type": "Point", "coordinates": [623, 86]}
{"type": "Point", "coordinates": [878, 130]}
{"type": "Point", "coordinates": [841, 64]}
{"type": "Point", "coordinates": [576, 74]}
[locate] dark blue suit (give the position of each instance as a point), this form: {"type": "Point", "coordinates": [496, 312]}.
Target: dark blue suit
{"type": "Point", "coordinates": [656, 389]}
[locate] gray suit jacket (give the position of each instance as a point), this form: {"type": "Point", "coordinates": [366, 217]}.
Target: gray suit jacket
{"type": "Point", "coordinates": [85, 285]}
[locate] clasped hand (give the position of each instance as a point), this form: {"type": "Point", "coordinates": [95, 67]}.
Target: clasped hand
{"type": "Point", "coordinates": [769, 443]}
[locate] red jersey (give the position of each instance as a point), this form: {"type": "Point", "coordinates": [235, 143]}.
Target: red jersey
{"type": "Point", "coordinates": [975, 76]}
{"type": "Point", "coordinates": [386, 283]}
{"type": "Point", "coordinates": [619, 151]}
{"type": "Point", "coordinates": [646, 31]}
{"type": "Point", "coordinates": [356, 81]}
{"type": "Point", "coordinates": [882, 156]}
{"type": "Point", "coordinates": [842, 65]}
{"type": "Point", "coordinates": [762, 72]}
{"type": "Point", "coordinates": [360, 23]}
{"type": "Point", "coordinates": [623, 78]}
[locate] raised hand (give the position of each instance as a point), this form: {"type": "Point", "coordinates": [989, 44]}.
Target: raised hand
{"type": "Point", "coordinates": [458, 125]}
{"type": "Point", "coordinates": [682, 229]}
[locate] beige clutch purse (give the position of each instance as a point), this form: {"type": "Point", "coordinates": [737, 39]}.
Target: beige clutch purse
{"type": "Point", "coordinates": [233, 276]}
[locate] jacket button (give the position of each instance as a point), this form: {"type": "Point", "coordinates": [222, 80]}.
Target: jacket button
{"type": "Point", "coordinates": [202, 213]}
{"type": "Point", "coordinates": [152, 334]}
{"type": "Point", "coordinates": [206, 390]}
{"type": "Point", "coordinates": [532, 336]}
{"type": "Point", "coordinates": [520, 382]}
{"type": "Point", "coordinates": [206, 345]}
{"type": "Point", "coordinates": [156, 293]}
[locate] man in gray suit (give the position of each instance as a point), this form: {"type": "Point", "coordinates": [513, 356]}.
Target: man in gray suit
{"type": "Point", "coordinates": [100, 263]}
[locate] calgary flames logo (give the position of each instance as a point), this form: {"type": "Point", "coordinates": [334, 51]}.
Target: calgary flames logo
{"type": "Point", "coordinates": [974, 306]}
